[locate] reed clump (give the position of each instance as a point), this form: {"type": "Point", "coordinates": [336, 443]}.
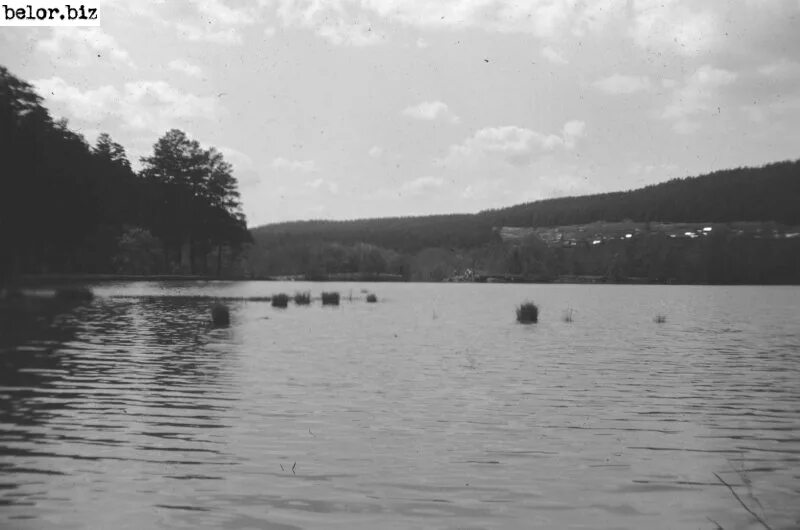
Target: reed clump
{"type": "Point", "coordinates": [74, 294]}
{"type": "Point", "coordinates": [660, 318]}
{"type": "Point", "coordinates": [330, 298]}
{"type": "Point", "coordinates": [372, 298]}
{"type": "Point", "coordinates": [569, 316]}
{"type": "Point", "coordinates": [302, 298]}
{"type": "Point", "coordinates": [528, 313]}
{"type": "Point", "coordinates": [280, 300]}
{"type": "Point", "coordinates": [220, 316]}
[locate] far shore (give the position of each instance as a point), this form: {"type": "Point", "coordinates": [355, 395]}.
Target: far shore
{"type": "Point", "coordinates": [51, 279]}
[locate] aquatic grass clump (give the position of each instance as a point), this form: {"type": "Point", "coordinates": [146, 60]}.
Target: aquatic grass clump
{"type": "Point", "coordinates": [569, 315]}
{"type": "Point", "coordinates": [280, 300]}
{"type": "Point", "coordinates": [528, 313]}
{"type": "Point", "coordinates": [220, 316]}
{"type": "Point", "coordinates": [74, 294]}
{"type": "Point", "coordinates": [372, 298]}
{"type": "Point", "coordinates": [302, 298]}
{"type": "Point", "coordinates": [330, 298]}
{"type": "Point", "coordinates": [660, 318]}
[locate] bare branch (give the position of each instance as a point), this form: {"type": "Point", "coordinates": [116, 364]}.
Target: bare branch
{"type": "Point", "coordinates": [751, 512]}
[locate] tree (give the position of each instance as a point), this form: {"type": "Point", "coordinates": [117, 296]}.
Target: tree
{"type": "Point", "coordinates": [201, 205]}
{"type": "Point", "coordinates": [108, 150]}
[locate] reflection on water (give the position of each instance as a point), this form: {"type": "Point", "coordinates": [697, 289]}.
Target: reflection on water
{"type": "Point", "coordinates": [431, 409]}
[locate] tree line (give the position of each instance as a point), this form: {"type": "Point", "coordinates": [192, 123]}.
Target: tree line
{"type": "Point", "coordinates": [70, 207]}
{"type": "Point", "coordinates": [433, 248]}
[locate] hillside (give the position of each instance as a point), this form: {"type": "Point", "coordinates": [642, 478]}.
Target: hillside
{"type": "Point", "coordinates": [769, 193]}
{"type": "Point", "coordinates": [733, 226]}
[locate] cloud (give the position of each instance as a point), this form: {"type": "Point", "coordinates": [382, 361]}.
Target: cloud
{"type": "Point", "coordinates": [538, 17]}
{"type": "Point", "coordinates": [339, 22]}
{"type": "Point", "coordinates": [78, 47]}
{"type": "Point", "coordinates": [146, 105]}
{"type": "Point", "coordinates": [208, 33]}
{"type": "Point", "coordinates": [325, 185]}
{"type": "Point", "coordinates": [514, 145]}
{"type": "Point", "coordinates": [781, 69]}
{"type": "Point", "coordinates": [238, 159]}
{"type": "Point", "coordinates": [212, 21]}
{"type": "Point", "coordinates": [304, 166]}
{"type": "Point", "coordinates": [675, 26]}
{"type": "Point", "coordinates": [217, 11]}
{"type": "Point", "coordinates": [696, 96]}
{"type": "Point", "coordinates": [349, 21]}
{"type": "Point", "coordinates": [619, 84]}
{"type": "Point", "coordinates": [421, 186]}
{"type": "Point", "coordinates": [429, 111]}
{"type": "Point", "coordinates": [376, 151]}
{"type": "Point", "coordinates": [553, 56]}
{"type": "Point", "coordinates": [179, 65]}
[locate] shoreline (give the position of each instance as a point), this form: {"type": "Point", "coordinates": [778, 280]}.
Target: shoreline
{"type": "Point", "coordinates": [45, 279]}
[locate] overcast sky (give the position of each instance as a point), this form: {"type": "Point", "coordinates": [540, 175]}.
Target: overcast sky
{"type": "Point", "coordinates": [361, 108]}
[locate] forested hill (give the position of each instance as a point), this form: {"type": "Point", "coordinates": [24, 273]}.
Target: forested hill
{"type": "Point", "coordinates": [769, 193]}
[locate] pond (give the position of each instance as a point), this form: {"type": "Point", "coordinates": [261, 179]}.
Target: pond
{"type": "Point", "coordinates": [432, 408]}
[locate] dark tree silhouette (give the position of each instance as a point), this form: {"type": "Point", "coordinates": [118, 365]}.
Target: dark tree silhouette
{"type": "Point", "coordinates": [67, 207]}
{"type": "Point", "coordinates": [201, 200]}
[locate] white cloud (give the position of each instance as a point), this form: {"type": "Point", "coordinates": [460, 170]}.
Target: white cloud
{"type": "Point", "coordinates": [322, 184]}
{"type": "Point", "coordinates": [696, 96]}
{"type": "Point", "coordinates": [514, 145]}
{"type": "Point", "coordinates": [421, 186]}
{"type": "Point", "coordinates": [212, 21]}
{"type": "Point", "coordinates": [304, 166]}
{"type": "Point", "coordinates": [78, 47]}
{"type": "Point", "coordinates": [376, 151]}
{"type": "Point", "coordinates": [238, 159]}
{"type": "Point", "coordinates": [539, 17]}
{"type": "Point", "coordinates": [339, 22]}
{"type": "Point", "coordinates": [185, 67]}
{"type": "Point", "coordinates": [624, 84]}
{"type": "Point", "coordinates": [217, 11]}
{"type": "Point", "coordinates": [146, 105]}
{"type": "Point", "coordinates": [549, 53]}
{"type": "Point", "coordinates": [674, 26]}
{"type": "Point", "coordinates": [208, 33]}
{"type": "Point", "coordinates": [429, 111]}
{"type": "Point", "coordinates": [781, 69]}
{"type": "Point", "coordinates": [348, 21]}
{"type": "Point", "coordinates": [571, 131]}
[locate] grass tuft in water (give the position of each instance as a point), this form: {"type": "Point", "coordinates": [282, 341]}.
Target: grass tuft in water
{"type": "Point", "coordinates": [660, 318]}
{"type": "Point", "coordinates": [220, 316]}
{"type": "Point", "coordinates": [527, 313]}
{"type": "Point", "coordinates": [302, 298]}
{"type": "Point", "coordinates": [569, 316]}
{"type": "Point", "coordinates": [372, 298]}
{"type": "Point", "coordinates": [330, 298]}
{"type": "Point", "coordinates": [280, 300]}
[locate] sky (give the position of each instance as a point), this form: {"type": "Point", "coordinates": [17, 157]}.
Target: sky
{"type": "Point", "coordinates": [343, 109]}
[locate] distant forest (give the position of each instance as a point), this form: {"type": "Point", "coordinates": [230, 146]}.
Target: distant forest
{"type": "Point", "coordinates": [439, 247]}
{"type": "Point", "coordinates": [68, 207]}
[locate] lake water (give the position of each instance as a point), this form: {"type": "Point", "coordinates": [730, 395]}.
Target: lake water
{"type": "Point", "coordinates": [431, 409]}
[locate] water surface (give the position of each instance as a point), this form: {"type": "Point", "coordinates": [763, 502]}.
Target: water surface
{"type": "Point", "coordinates": [430, 409]}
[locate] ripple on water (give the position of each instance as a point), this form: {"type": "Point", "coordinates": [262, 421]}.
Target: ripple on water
{"type": "Point", "coordinates": [132, 412]}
